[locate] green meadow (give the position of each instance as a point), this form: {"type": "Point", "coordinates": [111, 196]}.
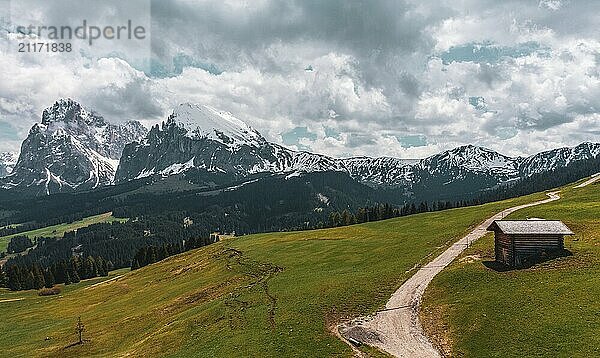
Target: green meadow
{"type": "Point", "coordinates": [549, 310]}
{"type": "Point", "coordinates": [276, 294]}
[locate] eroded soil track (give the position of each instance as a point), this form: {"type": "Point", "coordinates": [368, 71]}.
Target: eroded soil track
{"type": "Point", "coordinates": [259, 273]}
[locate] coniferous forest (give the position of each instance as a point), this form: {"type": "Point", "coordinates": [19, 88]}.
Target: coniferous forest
{"type": "Point", "coordinates": [161, 224]}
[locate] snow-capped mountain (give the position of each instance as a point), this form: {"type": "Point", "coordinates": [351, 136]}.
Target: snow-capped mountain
{"type": "Point", "coordinates": [470, 158]}
{"type": "Point", "coordinates": [213, 146]}
{"type": "Point", "coordinates": [7, 163]}
{"type": "Point", "coordinates": [74, 149]}
{"type": "Point", "coordinates": [71, 148]}
{"type": "Point", "coordinates": [215, 143]}
{"type": "Point", "coordinates": [558, 158]}
{"type": "Point", "coordinates": [207, 122]}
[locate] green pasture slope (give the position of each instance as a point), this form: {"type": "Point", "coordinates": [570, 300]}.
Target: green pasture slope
{"type": "Point", "coordinates": [549, 310]}
{"type": "Point", "coordinates": [267, 295]}
{"type": "Point", "coordinates": [60, 229]}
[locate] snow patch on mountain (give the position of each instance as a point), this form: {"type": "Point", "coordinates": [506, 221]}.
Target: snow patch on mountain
{"type": "Point", "coordinates": [201, 121]}
{"type": "Point", "coordinates": [379, 171]}
{"type": "Point", "coordinates": [178, 168]}
{"type": "Point", "coordinates": [323, 199]}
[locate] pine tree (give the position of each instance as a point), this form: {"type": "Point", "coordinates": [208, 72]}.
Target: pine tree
{"type": "Point", "coordinates": [75, 276]}
{"type": "Point", "coordinates": [60, 272]}
{"type": "Point", "coordinates": [3, 278]}
{"type": "Point", "coordinates": [89, 268]}
{"type": "Point", "coordinates": [38, 277]}
{"type": "Point", "coordinates": [135, 265]}
{"type": "Point", "coordinates": [334, 219]}
{"type": "Point", "coordinates": [101, 265]}
{"type": "Point", "coordinates": [345, 218]}
{"type": "Point", "coordinates": [29, 281]}
{"type": "Point", "coordinates": [14, 279]}
{"type": "Point", "coordinates": [49, 278]}
{"type": "Point", "coordinates": [76, 268]}
{"type": "Point", "coordinates": [361, 215]}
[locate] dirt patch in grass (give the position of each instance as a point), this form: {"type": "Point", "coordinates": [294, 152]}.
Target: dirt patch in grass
{"type": "Point", "coordinates": [434, 320]}
{"type": "Point", "coordinates": [470, 258]}
{"type": "Point", "coordinates": [202, 296]}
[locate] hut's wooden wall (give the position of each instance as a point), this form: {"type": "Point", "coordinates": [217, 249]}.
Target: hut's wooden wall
{"type": "Point", "coordinates": [513, 250]}
{"type": "Point", "coordinates": [503, 248]}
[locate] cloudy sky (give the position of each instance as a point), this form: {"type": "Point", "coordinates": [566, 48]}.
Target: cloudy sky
{"type": "Point", "coordinates": [396, 78]}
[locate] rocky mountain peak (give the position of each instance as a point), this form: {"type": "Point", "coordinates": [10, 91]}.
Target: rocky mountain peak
{"type": "Point", "coordinates": [72, 148]}
{"type": "Point", "coordinates": [66, 110]}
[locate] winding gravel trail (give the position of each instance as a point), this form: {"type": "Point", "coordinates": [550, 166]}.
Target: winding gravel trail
{"type": "Point", "coordinates": [397, 329]}
{"type": "Point", "coordinates": [592, 180]}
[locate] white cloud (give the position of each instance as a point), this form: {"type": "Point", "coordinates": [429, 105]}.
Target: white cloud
{"type": "Point", "coordinates": [323, 67]}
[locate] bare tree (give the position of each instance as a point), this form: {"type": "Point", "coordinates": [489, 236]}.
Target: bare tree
{"type": "Point", "coordinates": [79, 329]}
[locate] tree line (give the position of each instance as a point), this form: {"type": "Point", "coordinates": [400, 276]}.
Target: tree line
{"type": "Point", "coordinates": [387, 211]}
{"type": "Point", "coordinates": [19, 244]}
{"type": "Point", "coordinates": [35, 276]}
{"type": "Point", "coordinates": [150, 254]}
{"type": "Point", "coordinates": [97, 249]}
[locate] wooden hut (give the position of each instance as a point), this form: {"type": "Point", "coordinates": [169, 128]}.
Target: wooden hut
{"type": "Point", "coordinates": [517, 243]}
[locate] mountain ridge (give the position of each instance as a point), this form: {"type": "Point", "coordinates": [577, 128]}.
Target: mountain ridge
{"type": "Point", "coordinates": [179, 152]}
{"type": "Point", "coordinates": [210, 148]}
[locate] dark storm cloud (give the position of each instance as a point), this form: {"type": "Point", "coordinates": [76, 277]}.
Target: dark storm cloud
{"type": "Point", "coordinates": [362, 26]}
{"type": "Point", "coordinates": [382, 35]}
{"type": "Point", "coordinates": [356, 140]}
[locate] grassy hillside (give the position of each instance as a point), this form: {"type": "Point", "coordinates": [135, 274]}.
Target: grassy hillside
{"type": "Point", "coordinates": [60, 229]}
{"type": "Point", "coordinates": [549, 310]}
{"type": "Point", "coordinates": [263, 295]}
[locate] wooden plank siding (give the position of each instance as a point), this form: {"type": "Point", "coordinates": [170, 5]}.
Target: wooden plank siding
{"type": "Point", "coordinates": [503, 248]}
{"type": "Point", "coordinates": [514, 250]}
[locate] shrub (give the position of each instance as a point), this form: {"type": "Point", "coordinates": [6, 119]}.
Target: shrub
{"type": "Point", "coordinates": [49, 291]}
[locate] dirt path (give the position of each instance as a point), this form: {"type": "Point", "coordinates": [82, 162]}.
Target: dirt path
{"type": "Point", "coordinates": [103, 282]}
{"type": "Point", "coordinates": [12, 300]}
{"type": "Point", "coordinates": [397, 329]}
{"type": "Point", "coordinates": [592, 180]}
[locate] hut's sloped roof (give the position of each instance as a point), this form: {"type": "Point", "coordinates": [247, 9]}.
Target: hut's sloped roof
{"type": "Point", "coordinates": [538, 227]}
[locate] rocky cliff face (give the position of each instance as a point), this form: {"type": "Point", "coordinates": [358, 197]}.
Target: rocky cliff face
{"type": "Point", "coordinates": [72, 148]}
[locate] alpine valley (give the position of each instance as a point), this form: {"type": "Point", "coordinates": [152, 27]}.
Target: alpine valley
{"type": "Point", "coordinates": [153, 237]}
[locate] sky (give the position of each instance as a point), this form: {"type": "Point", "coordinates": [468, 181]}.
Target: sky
{"type": "Point", "coordinates": [395, 78]}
